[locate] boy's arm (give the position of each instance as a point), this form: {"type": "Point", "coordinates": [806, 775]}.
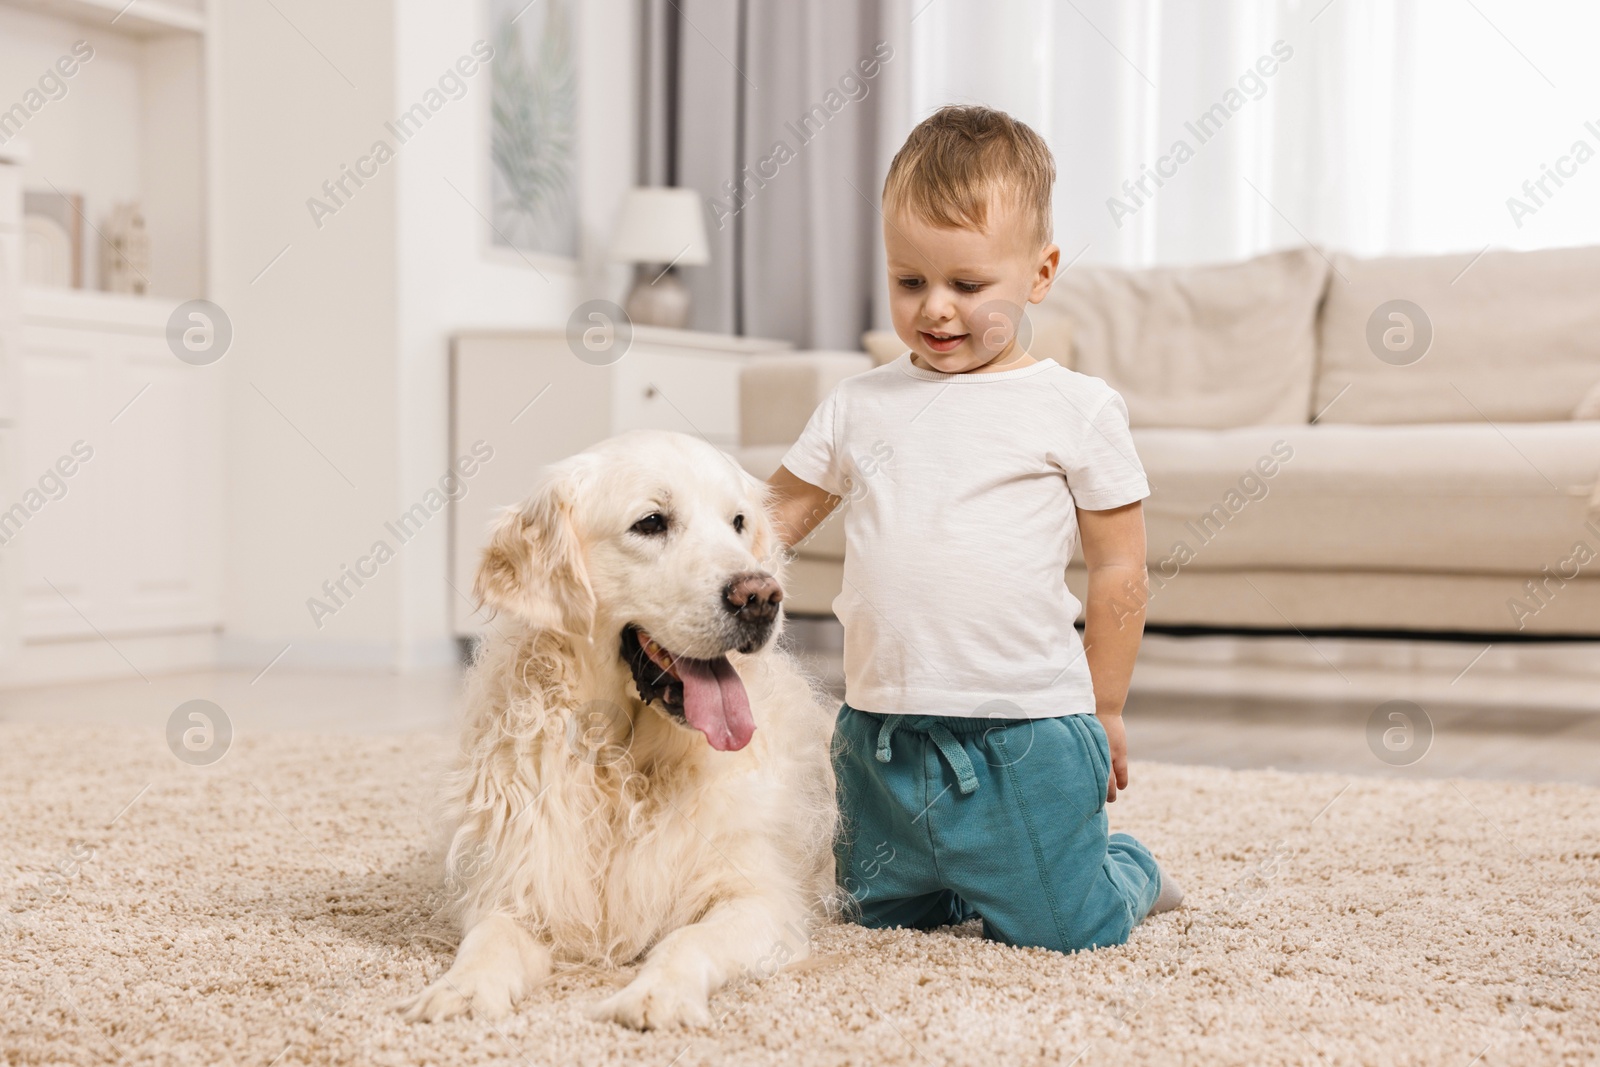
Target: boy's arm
{"type": "Point", "coordinates": [797, 506]}
{"type": "Point", "coordinates": [1114, 553]}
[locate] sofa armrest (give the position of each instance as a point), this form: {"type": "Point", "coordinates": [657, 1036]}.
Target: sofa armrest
{"type": "Point", "coordinates": [779, 391]}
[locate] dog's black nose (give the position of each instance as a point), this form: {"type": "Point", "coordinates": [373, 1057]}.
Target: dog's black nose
{"type": "Point", "coordinates": [753, 597]}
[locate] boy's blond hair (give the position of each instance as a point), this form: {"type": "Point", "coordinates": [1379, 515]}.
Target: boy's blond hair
{"type": "Point", "coordinates": [959, 157]}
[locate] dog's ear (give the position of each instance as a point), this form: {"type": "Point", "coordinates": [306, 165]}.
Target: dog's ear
{"type": "Point", "coordinates": [533, 566]}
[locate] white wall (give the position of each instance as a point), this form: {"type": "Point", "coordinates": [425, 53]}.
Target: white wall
{"type": "Point", "coordinates": [315, 335]}
{"type": "Point", "coordinates": [450, 280]}
{"type": "Point", "coordinates": [348, 333]}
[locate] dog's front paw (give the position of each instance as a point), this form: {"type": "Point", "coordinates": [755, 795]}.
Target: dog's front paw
{"type": "Point", "coordinates": [654, 1002]}
{"type": "Point", "coordinates": [457, 993]}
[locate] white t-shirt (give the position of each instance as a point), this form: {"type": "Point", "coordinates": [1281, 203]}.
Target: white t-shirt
{"type": "Point", "coordinates": [960, 520]}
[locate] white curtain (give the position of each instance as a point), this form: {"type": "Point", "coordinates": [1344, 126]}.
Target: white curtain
{"type": "Point", "coordinates": [775, 114]}
{"type": "Point", "coordinates": [1372, 126]}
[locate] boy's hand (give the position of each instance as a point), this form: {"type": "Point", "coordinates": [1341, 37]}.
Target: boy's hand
{"type": "Point", "coordinates": [1117, 735]}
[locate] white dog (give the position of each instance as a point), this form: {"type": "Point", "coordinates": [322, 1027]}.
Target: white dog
{"type": "Point", "coordinates": [639, 770]}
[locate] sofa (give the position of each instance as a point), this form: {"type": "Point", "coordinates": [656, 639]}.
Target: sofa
{"type": "Point", "coordinates": [1381, 446]}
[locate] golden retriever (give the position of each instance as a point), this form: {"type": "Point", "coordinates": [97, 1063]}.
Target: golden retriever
{"type": "Point", "coordinates": [641, 770]}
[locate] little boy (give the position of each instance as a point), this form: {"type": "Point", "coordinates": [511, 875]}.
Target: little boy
{"type": "Point", "coordinates": [980, 738]}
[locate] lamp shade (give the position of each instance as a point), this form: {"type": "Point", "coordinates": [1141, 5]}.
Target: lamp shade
{"type": "Point", "coordinates": [660, 225]}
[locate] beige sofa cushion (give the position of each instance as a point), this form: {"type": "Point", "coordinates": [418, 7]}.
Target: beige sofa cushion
{"type": "Point", "coordinates": [1589, 406]}
{"type": "Point", "coordinates": [1515, 336]}
{"type": "Point", "coordinates": [1204, 346]}
{"type": "Point", "coordinates": [778, 391]}
{"type": "Point", "coordinates": [884, 346]}
{"type": "Point", "coordinates": [759, 460]}
{"type": "Point", "coordinates": [1442, 498]}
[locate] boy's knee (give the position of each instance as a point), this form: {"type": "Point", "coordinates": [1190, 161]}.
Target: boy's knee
{"type": "Point", "coordinates": [1113, 930]}
{"type": "Point", "coordinates": [1070, 933]}
{"type": "Point", "coordinates": [924, 912]}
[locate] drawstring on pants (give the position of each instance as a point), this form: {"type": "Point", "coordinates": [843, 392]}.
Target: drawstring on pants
{"type": "Point", "coordinates": [953, 753]}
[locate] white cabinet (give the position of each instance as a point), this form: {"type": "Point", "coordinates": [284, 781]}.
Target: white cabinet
{"type": "Point", "coordinates": [111, 565]}
{"type": "Point", "coordinates": [665, 388]}
{"type": "Point", "coordinates": [113, 518]}
{"type": "Point", "coordinates": [533, 400]}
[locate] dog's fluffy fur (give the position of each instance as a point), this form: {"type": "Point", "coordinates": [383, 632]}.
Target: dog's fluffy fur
{"type": "Point", "coordinates": [591, 827]}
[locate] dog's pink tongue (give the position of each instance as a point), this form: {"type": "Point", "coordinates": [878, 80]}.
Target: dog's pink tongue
{"type": "Point", "coordinates": [715, 703]}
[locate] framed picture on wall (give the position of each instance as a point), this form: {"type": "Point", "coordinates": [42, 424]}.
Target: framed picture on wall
{"type": "Point", "coordinates": [533, 127]}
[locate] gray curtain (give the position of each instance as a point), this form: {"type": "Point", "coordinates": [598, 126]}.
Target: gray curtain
{"type": "Point", "coordinates": [783, 116]}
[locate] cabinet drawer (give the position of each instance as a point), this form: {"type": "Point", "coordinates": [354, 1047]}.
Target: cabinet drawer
{"type": "Point", "coordinates": [665, 390]}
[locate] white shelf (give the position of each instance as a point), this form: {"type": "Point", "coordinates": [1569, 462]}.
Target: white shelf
{"type": "Point", "coordinates": [144, 98]}
{"type": "Point", "coordinates": [49, 306]}
{"type": "Point", "coordinates": [140, 18]}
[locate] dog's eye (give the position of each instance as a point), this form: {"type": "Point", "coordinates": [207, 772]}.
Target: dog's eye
{"type": "Point", "coordinates": [652, 524]}
{"type": "Point", "coordinates": [738, 524]}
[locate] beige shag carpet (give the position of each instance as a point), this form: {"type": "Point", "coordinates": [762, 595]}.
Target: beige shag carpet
{"type": "Point", "coordinates": [263, 911]}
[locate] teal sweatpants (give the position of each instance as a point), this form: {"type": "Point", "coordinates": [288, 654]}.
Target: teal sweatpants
{"type": "Point", "coordinates": [947, 819]}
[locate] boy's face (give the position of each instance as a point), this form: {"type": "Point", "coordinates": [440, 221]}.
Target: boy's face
{"type": "Point", "coordinates": [957, 295]}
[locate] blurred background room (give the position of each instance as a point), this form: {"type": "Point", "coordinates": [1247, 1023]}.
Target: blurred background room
{"type": "Point", "coordinates": [294, 296]}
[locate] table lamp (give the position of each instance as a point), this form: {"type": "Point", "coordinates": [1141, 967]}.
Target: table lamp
{"type": "Point", "coordinates": [660, 230]}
